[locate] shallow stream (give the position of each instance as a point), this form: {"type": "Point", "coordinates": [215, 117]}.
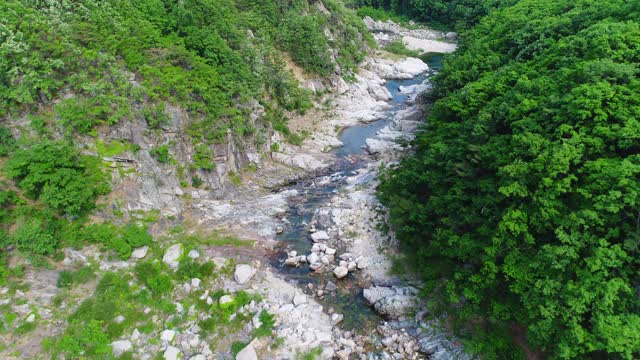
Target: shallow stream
{"type": "Point", "coordinates": [315, 193]}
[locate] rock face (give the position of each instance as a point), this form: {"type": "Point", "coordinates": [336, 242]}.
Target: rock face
{"type": "Point", "coordinates": [248, 353]}
{"type": "Point", "coordinates": [172, 256]}
{"type": "Point", "coordinates": [243, 273]}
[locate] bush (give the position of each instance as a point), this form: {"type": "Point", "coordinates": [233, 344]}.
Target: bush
{"type": "Point", "coordinates": [57, 174]}
{"type": "Point", "coordinates": [267, 321]}
{"type": "Point", "coordinates": [67, 279]}
{"type": "Point", "coordinates": [237, 346]}
{"type": "Point", "coordinates": [155, 116]}
{"type": "Point", "coordinates": [136, 235]}
{"type": "Point", "coordinates": [161, 153]}
{"type": "Point", "coordinates": [398, 47]}
{"type": "Point", "coordinates": [7, 142]}
{"type": "Point", "coordinates": [189, 269]}
{"type": "Point", "coordinates": [34, 237]}
{"type": "Point", "coordinates": [154, 276]}
{"type": "Point", "coordinates": [202, 158]}
{"type": "Point", "coordinates": [82, 340]}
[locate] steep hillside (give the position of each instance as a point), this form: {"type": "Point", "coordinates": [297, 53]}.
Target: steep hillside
{"type": "Point", "coordinates": [520, 205]}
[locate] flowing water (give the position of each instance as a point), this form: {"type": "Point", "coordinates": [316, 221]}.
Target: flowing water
{"type": "Point", "coordinates": [314, 193]}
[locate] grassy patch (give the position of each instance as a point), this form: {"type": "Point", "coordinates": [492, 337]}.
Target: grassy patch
{"type": "Point", "coordinates": [312, 354]}
{"type": "Point", "coordinates": [213, 239]}
{"type": "Point", "coordinates": [67, 279]}
{"type": "Point", "coordinates": [235, 178]}
{"type": "Point", "coordinates": [110, 149]}
{"type": "Point", "coordinates": [267, 321]}
{"type": "Point", "coordinates": [398, 47]}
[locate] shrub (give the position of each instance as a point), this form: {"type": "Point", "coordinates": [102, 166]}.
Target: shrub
{"type": "Point", "coordinates": [189, 269]}
{"type": "Point", "coordinates": [237, 346]}
{"type": "Point", "coordinates": [7, 142]}
{"type": "Point", "coordinates": [161, 153]}
{"type": "Point", "coordinates": [57, 174]}
{"type": "Point", "coordinates": [154, 276]}
{"type": "Point", "coordinates": [34, 237]}
{"type": "Point", "coordinates": [267, 321]}
{"type": "Point", "coordinates": [136, 235]}
{"type": "Point", "coordinates": [81, 340]}
{"type": "Point", "coordinates": [196, 182]}
{"type": "Point", "coordinates": [155, 116]}
{"type": "Point", "coordinates": [202, 158]}
{"type": "Point", "coordinates": [67, 279]}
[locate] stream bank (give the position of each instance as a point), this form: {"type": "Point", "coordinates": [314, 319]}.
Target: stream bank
{"type": "Point", "coordinates": [331, 241]}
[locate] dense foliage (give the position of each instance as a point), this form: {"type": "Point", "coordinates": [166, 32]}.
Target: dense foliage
{"type": "Point", "coordinates": [521, 205]}
{"type": "Point", "coordinates": [462, 13]}
{"type": "Point", "coordinates": [114, 60]}
{"type": "Point", "coordinates": [58, 175]}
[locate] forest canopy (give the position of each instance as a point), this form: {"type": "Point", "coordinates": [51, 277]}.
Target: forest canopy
{"type": "Point", "coordinates": [520, 206]}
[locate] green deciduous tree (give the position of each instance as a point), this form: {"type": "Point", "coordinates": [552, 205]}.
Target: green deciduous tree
{"type": "Point", "coordinates": [57, 174]}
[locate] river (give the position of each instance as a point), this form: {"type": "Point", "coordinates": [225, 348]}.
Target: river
{"type": "Point", "coordinates": [314, 193]}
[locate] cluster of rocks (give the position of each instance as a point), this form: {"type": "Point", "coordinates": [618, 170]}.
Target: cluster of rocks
{"type": "Point", "coordinates": [322, 258]}
{"type": "Point", "coordinates": [420, 39]}
{"type": "Point", "coordinates": [392, 302]}
{"type": "Point", "coordinates": [351, 345]}
{"type": "Point", "coordinates": [397, 343]}
{"type": "Point", "coordinates": [186, 343]}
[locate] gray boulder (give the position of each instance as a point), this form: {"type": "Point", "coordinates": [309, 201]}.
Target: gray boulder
{"type": "Point", "coordinates": [243, 273]}
{"type": "Point", "coordinates": [172, 256]}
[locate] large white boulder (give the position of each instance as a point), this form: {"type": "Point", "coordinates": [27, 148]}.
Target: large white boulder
{"type": "Point", "coordinates": [320, 236]}
{"type": "Point", "coordinates": [167, 335]}
{"type": "Point", "coordinates": [172, 353]}
{"type": "Point", "coordinates": [243, 273]}
{"type": "Point", "coordinates": [120, 347]}
{"type": "Point", "coordinates": [313, 258]}
{"type": "Point", "coordinates": [248, 353]}
{"type": "Point", "coordinates": [172, 256]}
{"type": "Point", "coordinates": [412, 66]}
{"type": "Point", "coordinates": [392, 302]}
{"type": "Point", "coordinates": [376, 146]}
{"type": "Point", "coordinates": [299, 299]}
{"type": "Point", "coordinates": [140, 252]}
{"type": "Point", "coordinates": [340, 272]}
